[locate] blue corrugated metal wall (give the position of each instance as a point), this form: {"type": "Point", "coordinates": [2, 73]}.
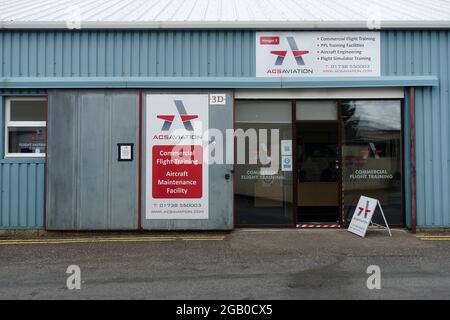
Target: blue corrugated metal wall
{"type": "Point", "coordinates": [426, 53]}
{"type": "Point", "coordinates": [21, 184]}
{"type": "Point", "coordinates": [223, 54]}
{"type": "Point", "coordinates": [116, 54]}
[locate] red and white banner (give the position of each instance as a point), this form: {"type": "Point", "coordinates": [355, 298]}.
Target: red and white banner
{"type": "Point", "coordinates": [318, 54]}
{"type": "Point", "coordinates": [363, 216]}
{"type": "Point", "coordinates": [176, 176]}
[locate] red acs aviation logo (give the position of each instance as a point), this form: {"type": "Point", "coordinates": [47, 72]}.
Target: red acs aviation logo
{"type": "Point", "coordinates": [282, 53]}
{"type": "Point", "coordinates": [185, 118]}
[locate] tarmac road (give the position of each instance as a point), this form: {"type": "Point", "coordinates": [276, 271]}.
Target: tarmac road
{"type": "Point", "coordinates": [244, 264]}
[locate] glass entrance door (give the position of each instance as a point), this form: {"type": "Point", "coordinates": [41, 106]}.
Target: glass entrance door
{"type": "Point", "coordinates": [318, 188]}
{"type": "Point", "coordinates": [263, 195]}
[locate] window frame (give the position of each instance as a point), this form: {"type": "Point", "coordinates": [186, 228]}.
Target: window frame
{"type": "Point", "coordinates": [20, 124]}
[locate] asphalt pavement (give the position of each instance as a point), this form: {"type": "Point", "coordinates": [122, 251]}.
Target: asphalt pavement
{"type": "Point", "coordinates": [244, 264]}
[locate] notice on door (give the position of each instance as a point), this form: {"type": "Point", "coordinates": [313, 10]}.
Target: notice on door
{"type": "Point", "coordinates": [177, 178]}
{"type": "Point", "coordinates": [318, 54]}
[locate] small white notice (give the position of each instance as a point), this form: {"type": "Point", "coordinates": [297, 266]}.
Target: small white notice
{"type": "Point", "coordinates": [125, 151]}
{"type": "Point", "coordinates": [362, 217]}
{"type": "Point", "coordinates": [286, 147]}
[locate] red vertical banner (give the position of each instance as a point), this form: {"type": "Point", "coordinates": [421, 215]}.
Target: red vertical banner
{"type": "Point", "coordinates": [177, 172]}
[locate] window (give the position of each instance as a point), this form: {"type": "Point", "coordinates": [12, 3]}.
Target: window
{"type": "Point", "coordinates": [25, 127]}
{"type": "Point", "coordinates": [371, 156]}
{"type": "Point", "coordinates": [261, 198]}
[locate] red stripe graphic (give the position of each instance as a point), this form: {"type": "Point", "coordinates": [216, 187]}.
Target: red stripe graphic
{"type": "Point", "coordinates": [166, 118]}
{"type": "Point", "coordinates": [188, 118]}
{"type": "Point", "coordinates": [298, 53]}
{"type": "Point", "coordinates": [280, 53]}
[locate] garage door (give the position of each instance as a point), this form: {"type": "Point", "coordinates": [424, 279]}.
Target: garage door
{"type": "Point", "coordinates": [87, 187]}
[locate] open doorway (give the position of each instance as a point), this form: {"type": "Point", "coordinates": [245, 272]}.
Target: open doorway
{"type": "Point", "coordinates": [318, 179]}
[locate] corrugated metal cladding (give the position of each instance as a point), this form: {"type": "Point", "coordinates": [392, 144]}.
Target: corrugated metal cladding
{"type": "Point", "coordinates": [21, 183]}
{"type": "Point", "coordinates": [426, 53]}
{"type": "Point", "coordinates": [222, 54]}
{"type": "Point", "coordinates": [22, 195]}
{"type": "Point", "coordinates": [115, 54]}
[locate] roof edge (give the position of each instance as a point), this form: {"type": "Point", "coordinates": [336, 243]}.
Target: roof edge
{"type": "Point", "coordinates": [216, 82]}
{"type": "Point", "coordinates": [241, 25]}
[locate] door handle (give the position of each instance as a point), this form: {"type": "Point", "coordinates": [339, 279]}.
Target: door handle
{"type": "Point", "coordinates": [228, 175]}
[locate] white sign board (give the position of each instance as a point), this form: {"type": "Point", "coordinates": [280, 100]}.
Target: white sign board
{"type": "Point", "coordinates": [318, 54]}
{"type": "Point", "coordinates": [286, 147]}
{"type": "Point", "coordinates": [363, 216]}
{"type": "Point", "coordinates": [176, 177]}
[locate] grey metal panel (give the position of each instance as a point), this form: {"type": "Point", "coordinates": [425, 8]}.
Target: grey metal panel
{"type": "Point", "coordinates": [123, 176]}
{"type": "Point", "coordinates": [220, 190]}
{"type": "Point", "coordinates": [87, 188]}
{"type": "Point", "coordinates": [221, 193]}
{"type": "Point", "coordinates": [61, 161]}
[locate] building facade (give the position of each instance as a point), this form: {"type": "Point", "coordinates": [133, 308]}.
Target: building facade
{"type": "Point", "coordinates": [90, 120]}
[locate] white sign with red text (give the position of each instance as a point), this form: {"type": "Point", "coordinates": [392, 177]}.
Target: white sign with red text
{"type": "Point", "coordinates": [176, 176]}
{"type": "Point", "coordinates": [363, 216]}
{"type": "Point", "coordinates": [318, 54]}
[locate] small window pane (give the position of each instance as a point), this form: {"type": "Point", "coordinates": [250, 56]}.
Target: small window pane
{"type": "Point", "coordinates": [30, 110]}
{"type": "Point", "coordinates": [26, 140]}
{"type": "Point", "coordinates": [316, 110]}
{"type": "Point", "coordinates": [264, 111]}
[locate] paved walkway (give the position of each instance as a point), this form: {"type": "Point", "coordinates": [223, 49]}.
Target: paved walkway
{"type": "Point", "coordinates": [244, 264]}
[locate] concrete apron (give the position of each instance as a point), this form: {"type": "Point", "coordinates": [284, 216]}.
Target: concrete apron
{"type": "Point", "coordinates": [17, 236]}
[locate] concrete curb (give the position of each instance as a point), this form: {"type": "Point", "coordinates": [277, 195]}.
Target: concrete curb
{"type": "Point", "coordinates": [433, 230]}
{"type": "Point", "coordinates": [12, 234]}
{"type": "Point", "coordinates": [41, 234]}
